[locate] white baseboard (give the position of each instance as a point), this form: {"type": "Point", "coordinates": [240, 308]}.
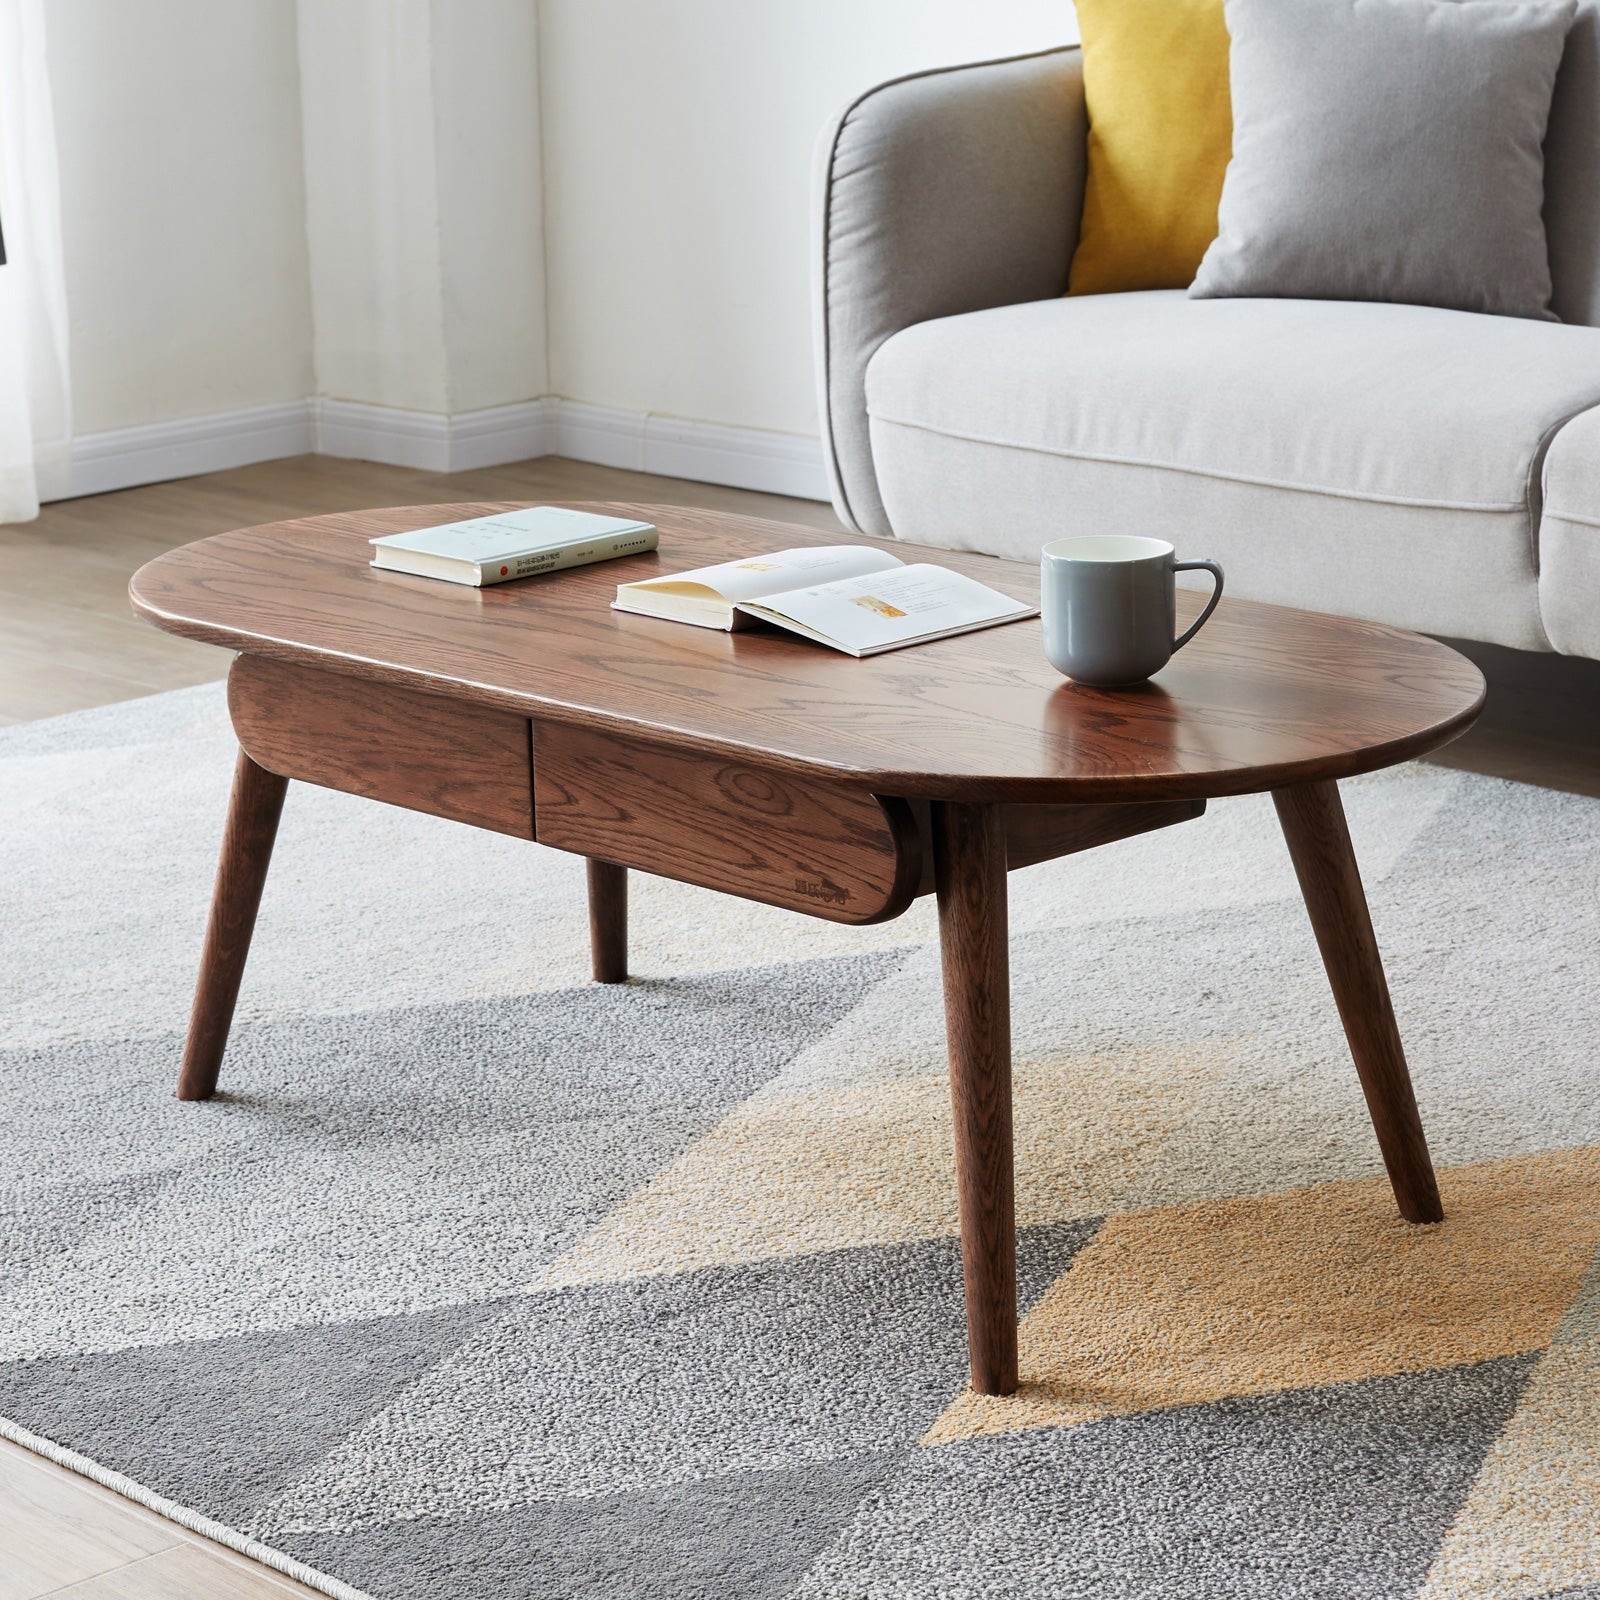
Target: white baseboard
{"type": "Point", "coordinates": [743, 458]}
{"type": "Point", "coordinates": [432, 442]}
{"type": "Point", "coordinates": [500, 434]}
{"type": "Point", "coordinates": [123, 457]}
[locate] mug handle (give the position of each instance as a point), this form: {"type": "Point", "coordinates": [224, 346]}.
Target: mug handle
{"type": "Point", "coordinates": [1211, 605]}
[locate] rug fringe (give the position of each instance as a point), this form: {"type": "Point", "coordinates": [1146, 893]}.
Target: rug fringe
{"type": "Point", "coordinates": [219, 1532]}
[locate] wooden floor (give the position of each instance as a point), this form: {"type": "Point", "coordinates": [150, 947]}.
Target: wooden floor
{"type": "Point", "coordinates": [68, 640]}
{"type": "Point", "coordinates": [64, 1536]}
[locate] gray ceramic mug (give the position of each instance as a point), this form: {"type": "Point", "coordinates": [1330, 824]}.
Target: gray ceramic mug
{"type": "Point", "coordinates": [1110, 607]}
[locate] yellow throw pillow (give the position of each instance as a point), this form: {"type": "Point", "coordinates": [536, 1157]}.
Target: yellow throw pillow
{"type": "Point", "coordinates": [1155, 75]}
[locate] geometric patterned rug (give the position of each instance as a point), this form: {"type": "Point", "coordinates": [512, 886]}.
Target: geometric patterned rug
{"type": "Point", "coordinates": [481, 1280]}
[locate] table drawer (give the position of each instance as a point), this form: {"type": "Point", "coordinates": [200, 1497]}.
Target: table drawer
{"type": "Point", "coordinates": [839, 854]}
{"type": "Point", "coordinates": [421, 751]}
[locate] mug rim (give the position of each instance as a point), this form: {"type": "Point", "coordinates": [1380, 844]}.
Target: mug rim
{"type": "Point", "coordinates": [1082, 548]}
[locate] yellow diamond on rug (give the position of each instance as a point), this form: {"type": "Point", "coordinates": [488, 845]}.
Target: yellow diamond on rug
{"type": "Point", "coordinates": [834, 1167]}
{"type": "Point", "coordinates": [1186, 1304]}
{"type": "Point", "coordinates": [1531, 1525]}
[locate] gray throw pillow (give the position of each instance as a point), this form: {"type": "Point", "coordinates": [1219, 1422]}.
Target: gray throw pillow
{"type": "Point", "coordinates": [1389, 150]}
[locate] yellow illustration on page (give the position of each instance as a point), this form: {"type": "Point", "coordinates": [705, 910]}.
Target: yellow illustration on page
{"type": "Point", "coordinates": [870, 602]}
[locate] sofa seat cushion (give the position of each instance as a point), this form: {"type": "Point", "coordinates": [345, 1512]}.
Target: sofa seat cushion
{"type": "Point", "coordinates": [1324, 448]}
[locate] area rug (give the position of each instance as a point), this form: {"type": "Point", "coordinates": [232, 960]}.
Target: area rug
{"type": "Point", "coordinates": [482, 1281]}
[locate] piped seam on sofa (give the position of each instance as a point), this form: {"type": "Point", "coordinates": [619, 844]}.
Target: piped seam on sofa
{"type": "Point", "coordinates": [1538, 504]}
{"type": "Point", "coordinates": [1577, 518]}
{"type": "Point", "coordinates": [1204, 472]}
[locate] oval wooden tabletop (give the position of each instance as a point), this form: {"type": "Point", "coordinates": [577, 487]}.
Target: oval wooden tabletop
{"type": "Point", "coordinates": [1264, 696]}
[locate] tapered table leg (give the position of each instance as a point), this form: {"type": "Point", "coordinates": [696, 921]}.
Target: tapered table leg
{"type": "Point", "coordinates": [1319, 844]}
{"type": "Point", "coordinates": [608, 921]}
{"type": "Point", "coordinates": [253, 812]}
{"type": "Point", "coordinates": [970, 875]}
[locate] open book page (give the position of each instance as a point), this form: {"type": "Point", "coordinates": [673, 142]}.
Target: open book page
{"type": "Point", "coordinates": [769, 574]}
{"type": "Point", "coordinates": [884, 610]}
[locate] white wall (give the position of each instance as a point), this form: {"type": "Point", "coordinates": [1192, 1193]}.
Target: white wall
{"type": "Point", "coordinates": [178, 129]}
{"type": "Point", "coordinates": [421, 127]}
{"type": "Point", "coordinates": [372, 214]}
{"type": "Point", "coordinates": [447, 206]}
{"type": "Point", "coordinates": [678, 145]}
{"type": "Point", "coordinates": [491, 213]}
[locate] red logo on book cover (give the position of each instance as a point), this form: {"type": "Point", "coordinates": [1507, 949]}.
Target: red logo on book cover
{"type": "Point", "coordinates": [504, 571]}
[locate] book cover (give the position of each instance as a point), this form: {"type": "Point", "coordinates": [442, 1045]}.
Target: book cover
{"type": "Point", "coordinates": [511, 544]}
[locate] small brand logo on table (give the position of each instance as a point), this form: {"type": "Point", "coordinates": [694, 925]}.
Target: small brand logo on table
{"type": "Point", "coordinates": [821, 891]}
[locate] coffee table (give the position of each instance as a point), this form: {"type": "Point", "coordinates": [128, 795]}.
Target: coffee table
{"type": "Point", "coordinates": [774, 769]}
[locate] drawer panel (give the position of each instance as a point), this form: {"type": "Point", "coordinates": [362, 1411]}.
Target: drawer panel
{"type": "Point", "coordinates": [420, 751]}
{"type": "Point", "coordinates": [834, 853]}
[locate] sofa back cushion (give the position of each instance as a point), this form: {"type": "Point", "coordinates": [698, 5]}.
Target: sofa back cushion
{"type": "Point", "coordinates": [1155, 77]}
{"type": "Point", "coordinates": [1572, 173]}
{"type": "Point", "coordinates": [1389, 150]}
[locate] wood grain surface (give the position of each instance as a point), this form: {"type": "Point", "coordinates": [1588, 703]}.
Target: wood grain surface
{"type": "Point", "coordinates": [1036, 833]}
{"type": "Point", "coordinates": [64, 1536]}
{"type": "Point", "coordinates": [1265, 696]}
{"type": "Point", "coordinates": [1042, 833]}
{"type": "Point", "coordinates": [608, 921]}
{"type": "Point", "coordinates": [421, 751]}
{"type": "Point", "coordinates": [52, 1534]}
{"type": "Point", "coordinates": [970, 865]}
{"type": "Point", "coordinates": [791, 841]}
{"type": "Point", "coordinates": [1314, 827]}
{"type": "Point", "coordinates": [254, 808]}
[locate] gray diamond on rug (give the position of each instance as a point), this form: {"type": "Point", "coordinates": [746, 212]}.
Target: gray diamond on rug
{"type": "Point", "coordinates": [660, 1380]}
{"type": "Point", "coordinates": [224, 1424]}
{"type": "Point", "coordinates": [1340, 1493]}
{"type": "Point", "coordinates": [403, 1160]}
{"type": "Point", "coordinates": [749, 1535]}
{"type": "Point", "coordinates": [49, 1222]}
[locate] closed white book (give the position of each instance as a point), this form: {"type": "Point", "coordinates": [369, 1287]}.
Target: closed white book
{"type": "Point", "coordinates": [511, 544]}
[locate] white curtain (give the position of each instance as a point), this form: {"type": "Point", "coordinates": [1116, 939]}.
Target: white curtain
{"type": "Point", "coordinates": [35, 399]}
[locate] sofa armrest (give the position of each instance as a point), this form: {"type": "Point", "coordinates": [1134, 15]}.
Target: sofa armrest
{"type": "Point", "coordinates": [947, 191]}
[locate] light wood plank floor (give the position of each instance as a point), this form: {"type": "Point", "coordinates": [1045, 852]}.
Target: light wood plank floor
{"type": "Point", "coordinates": [69, 640]}
{"type": "Point", "coordinates": [62, 1535]}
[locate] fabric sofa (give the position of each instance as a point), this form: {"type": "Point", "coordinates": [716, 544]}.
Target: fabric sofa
{"type": "Point", "coordinates": [1439, 470]}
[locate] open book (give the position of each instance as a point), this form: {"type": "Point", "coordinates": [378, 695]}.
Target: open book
{"type": "Point", "coordinates": [851, 597]}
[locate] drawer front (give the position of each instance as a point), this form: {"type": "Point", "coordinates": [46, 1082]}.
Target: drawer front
{"type": "Point", "coordinates": [420, 751]}
{"type": "Point", "coordinates": [839, 854]}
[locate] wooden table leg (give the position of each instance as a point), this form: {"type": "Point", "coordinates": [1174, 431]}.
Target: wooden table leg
{"type": "Point", "coordinates": [253, 811]}
{"type": "Point", "coordinates": [969, 852]}
{"type": "Point", "coordinates": [608, 921]}
{"type": "Point", "coordinates": [1319, 844]}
